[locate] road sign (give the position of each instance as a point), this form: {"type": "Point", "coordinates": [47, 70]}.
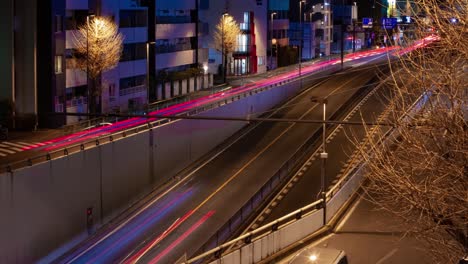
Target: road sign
{"type": "Point", "coordinates": [367, 22]}
{"type": "Point", "coordinates": [389, 23]}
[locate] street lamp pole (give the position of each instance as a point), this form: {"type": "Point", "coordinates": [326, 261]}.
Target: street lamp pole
{"type": "Point", "coordinates": [271, 37]}
{"type": "Point", "coordinates": [323, 156]}
{"type": "Point", "coordinates": [87, 62]}
{"type": "Point", "coordinates": [342, 34]}
{"type": "Point", "coordinates": [274, 43]}
{"type": "Point", "coordinates": [222, 47]}
{"type": "Point", "coordinates": [301, 32]}
{"type": "Point", "coordinates": [148, 72]}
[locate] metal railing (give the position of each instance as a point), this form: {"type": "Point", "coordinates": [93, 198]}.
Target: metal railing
{"type": "Point", "coordinates": [282, 175]}
{"type": "Point", "coordinates": [82, 146]}
{"type": "Point", "coordinates": [216, 252]}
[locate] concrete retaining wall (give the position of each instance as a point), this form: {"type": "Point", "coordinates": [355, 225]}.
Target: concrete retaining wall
{"type": "Point", "coordinates": [44, 206]}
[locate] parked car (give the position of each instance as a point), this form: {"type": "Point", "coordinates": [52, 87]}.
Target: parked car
{"type": "Point", "coordinates": [314, 255]}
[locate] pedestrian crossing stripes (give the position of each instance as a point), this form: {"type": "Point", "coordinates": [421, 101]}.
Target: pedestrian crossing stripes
{"type": "Point", "coordinates": [9, 148]}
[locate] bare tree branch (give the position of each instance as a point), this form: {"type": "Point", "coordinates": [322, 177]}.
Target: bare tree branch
{"type": "Point", "coordinates": [421, 173]}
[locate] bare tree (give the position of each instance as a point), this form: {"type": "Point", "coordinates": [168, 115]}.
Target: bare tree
{"type": "Point", "coordinates": [420, 173]}
{"type": "Point", "coordinates": [98, 49]}
{"type": "Point", "coordinates": [225, 38]}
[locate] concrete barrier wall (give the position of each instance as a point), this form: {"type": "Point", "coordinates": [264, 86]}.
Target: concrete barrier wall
{"type": "Point", "coordinates": [335, 203]}
{"type": "Point", "coordinates": [44, 206]}
{"type": "Point", "coordinates": [275, 241]}
{"type": "Point", "coordinates": [290, 234]}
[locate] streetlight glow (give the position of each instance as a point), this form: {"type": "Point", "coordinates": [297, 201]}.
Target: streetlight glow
{"type": "Point", "coordinates": [313, 257]}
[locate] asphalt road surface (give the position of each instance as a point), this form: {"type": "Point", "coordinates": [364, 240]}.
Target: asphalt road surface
{"type": "Point", "coordinates": [179, 221]}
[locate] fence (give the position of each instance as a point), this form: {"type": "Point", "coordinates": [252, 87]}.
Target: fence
{"type": "Point", "coordinates": [85, 145]}
{"type": "Point", "coordinates": [280, 234]}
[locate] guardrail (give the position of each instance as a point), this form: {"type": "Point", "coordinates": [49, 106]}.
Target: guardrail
{"type": "Point", "coordinates": [269, 239]}
{"type": "Point", "coordinates": [82, 146]}
{"type": "Point", "coordinates": [299, 157]}
{"type": "Point", "coordinates": [68, 129]}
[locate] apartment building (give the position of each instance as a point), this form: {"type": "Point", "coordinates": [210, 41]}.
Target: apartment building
{"type": "Point", "coordinates": [278, 12]}
{"type": "Point", "coordinates": [250, 56]}
{"type": "Point", "coordinates": [160, 59]}
{"type": "Point", "coordinates": [160, 38]}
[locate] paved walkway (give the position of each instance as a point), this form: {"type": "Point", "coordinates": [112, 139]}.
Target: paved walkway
{"type": "Point", "coordinates": [232, 82]}
{"type": "Point", "coordinates": [369, 236]}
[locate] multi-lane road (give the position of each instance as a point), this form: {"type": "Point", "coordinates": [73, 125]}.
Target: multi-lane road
{"type": "Point", "coordinates": [179, 221]}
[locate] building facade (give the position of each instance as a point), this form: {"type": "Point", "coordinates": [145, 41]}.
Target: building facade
{"type": "Point", "coordinates": [250, 56]}
{"type": "Point", "coordinates": [161, 57]}
{"type": "Point", "coordinates": [278, 12]}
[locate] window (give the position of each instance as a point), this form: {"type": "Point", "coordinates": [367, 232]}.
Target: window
{"type": "Point", "coordinates": [58, 64]}
{"type": "Point", "coordinates": [75, 18]}
{"type": "Point", "coordinates": [133, 51]}
{"type": "Point", "coordinates": [112, 90]}
{"type": "Point", "coordinates": [133, 18]}
{"type": "Point", "coordinates": [58, 24]}
{"type": "Point", "coordinates": [132, 81]}
{"type": "Point", "coordinates": [261, 60]}
{"type": "Point", "coordinates": [204, 4]}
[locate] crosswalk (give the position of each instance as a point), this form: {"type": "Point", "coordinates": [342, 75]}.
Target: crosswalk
{"type": "Point", "coordinates": [9, 148]}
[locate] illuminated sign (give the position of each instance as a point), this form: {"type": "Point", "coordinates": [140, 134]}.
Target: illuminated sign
{"type": "Point", "coordinates": [367, 22]}
{"type": "Point", "coordinates": [389, 23]}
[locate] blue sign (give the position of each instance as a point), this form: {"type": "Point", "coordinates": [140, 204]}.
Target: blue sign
{"type": "Point", "coordinates": [389, 23]}
{"type": "Point", "coordinates": [366, 22]}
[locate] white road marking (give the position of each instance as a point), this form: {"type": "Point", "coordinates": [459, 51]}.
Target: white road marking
{"type": "Point", "coordinates": [24, 144]}
{"type": "Point", "coordinates": [7, 151]}
{"type": "Point", "coordinates": [13, 144]}
{"type": "Point", "coordinates": [348, 214]}
{"type": "Point", "coordinates": [389, 254]}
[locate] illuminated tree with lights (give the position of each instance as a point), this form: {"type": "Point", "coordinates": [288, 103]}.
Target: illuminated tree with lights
{"type": "Point", "coordinates": [98, 49]}
{"type": "Point", "coordinates": [225, 38]}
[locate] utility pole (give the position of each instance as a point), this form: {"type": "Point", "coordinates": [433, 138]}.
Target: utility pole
{"type": "Point", "coordinates": [301, 32]}
{"type": "Point", "coordinates": [222, 47]}
{"type": "Point", "coordinates": [342, 34]}
{"type": "Point", "coordinates": [323, 156]}
{"type": "Point", "coordinates": [271, 42]}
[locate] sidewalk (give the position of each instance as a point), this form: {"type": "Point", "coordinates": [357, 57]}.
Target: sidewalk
{"type": "Point", "coordinates": [232, 82]}
{"type": "Point", "coordinates": [369, 236]}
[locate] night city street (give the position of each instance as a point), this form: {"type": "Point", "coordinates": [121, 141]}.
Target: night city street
{"type": "Point", "coordinates": [216, 131]}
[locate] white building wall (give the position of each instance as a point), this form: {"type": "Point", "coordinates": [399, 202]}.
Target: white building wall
{"type": "Point", "coordinates": [111, 79]}
{"type": "Point", "coordinates": [171, 31]}
{"type": "Point", "coordinates": [212, 16]}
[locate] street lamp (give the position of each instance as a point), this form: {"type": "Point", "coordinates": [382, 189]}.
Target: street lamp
{"type": "Point", "coordinates": [323, 155]}
{"type": "Point", "coordinates": [205, 70]}
{"type": "Point", "coordinates": [148, 72]}
{"type": "Point", "coordinates": [222, 46]}
{"type": "Point", "coordinates": [301, 32]}
{"type": "Point", "coordinates": [275, 43]}
{"type": "Point", "coordinates": [271, 36]}
{"type": "Point", "coordinates": [87, 59]}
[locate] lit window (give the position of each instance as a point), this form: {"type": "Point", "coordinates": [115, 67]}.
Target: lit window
{"type": "Point", "coordinates": [58, 64]}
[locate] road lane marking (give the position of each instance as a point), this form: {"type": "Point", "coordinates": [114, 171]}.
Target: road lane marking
{"type": "Point", "coordinates": [13, 144]}
{"type": "Point", "coordinates": [316, 153]}
{"type": "Point", "coordinates": [188, 176]}
{"type": "Point", "coordinates": [7, 151]}
{"type": "Point", "coordinates": [348, 215]}
{"type": "Point", "coordinates": [389, 254]}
